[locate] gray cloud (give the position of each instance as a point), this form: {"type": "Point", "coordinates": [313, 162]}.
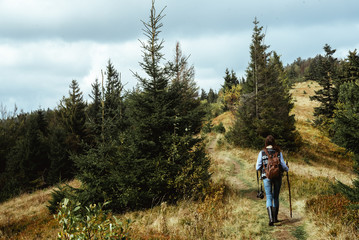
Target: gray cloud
{"type": "Point", "coordinates": [45, 44]}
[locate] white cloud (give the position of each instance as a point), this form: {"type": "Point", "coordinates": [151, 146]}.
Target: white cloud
{"type": "Point", "coordinates": [46, 68]}
{"type": "Point", "coordinates": [45, 44]}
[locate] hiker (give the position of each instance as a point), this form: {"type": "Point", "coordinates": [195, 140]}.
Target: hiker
{"type": "Point", "coordinates": [271, 184]}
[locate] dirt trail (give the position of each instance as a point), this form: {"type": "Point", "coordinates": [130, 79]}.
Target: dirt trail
{"type": "Point", "coordinates": [240, 176]}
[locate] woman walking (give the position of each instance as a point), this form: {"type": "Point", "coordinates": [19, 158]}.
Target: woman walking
{"type": "Point", "coordinates": [271, 186]}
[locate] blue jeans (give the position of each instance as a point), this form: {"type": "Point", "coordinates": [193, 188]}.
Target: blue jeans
{"type": "Point", "coordinates": [272, 189]}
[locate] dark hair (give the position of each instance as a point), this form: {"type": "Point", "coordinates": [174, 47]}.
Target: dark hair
{"type": "Point", "coordinates": [271, 141]}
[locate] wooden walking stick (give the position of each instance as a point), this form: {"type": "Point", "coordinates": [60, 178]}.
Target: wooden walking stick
{"type": "Point", "coordinates": [290, 196]}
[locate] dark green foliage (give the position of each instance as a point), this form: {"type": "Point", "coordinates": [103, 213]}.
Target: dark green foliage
{"type": "Point", "coordinates": [346, 123]}
{"type": "Point", "coordinates": [146, 152]}
{"type": "Point", "coordinates": [113, 103]}
{"type": "Point", "coordinates": [212, 96]}
{"type": "Point", "coordinates": [299, 69]}
{"type": "Point", "coordinates": [276, 103]}
{"type": "Point", "coordinates": [207, 128]}
{"type": "Point", "coordinates": [58, 195]}
{"type": "Point", "coordinates": [265, 102]}
{"type": "Point", "coordinates": [183, 90]}
{"type": "Point", "coordinates": [219, 128]}
{"type": "Point", "coordinates": [204, 95]}
{"type": "Point", "coordinates": [315, 69]}
{"type": "Point", "coordinates": [164, 116]}
{"type": "Point", "coordinates": [187, 167]}
{"type": "Point", "coordinates": [27, 160]}
{"type": "Point", "coordinates": [351, 67]}
{"type": "Point", "coordinates": [108, 174]}
{"type": "Point", "coordinates": [326, 74]}
{"type": "Point", "coordinates": [73, 117]}
{"type": "Point", "coordinates": [94, 111]}
{"type": "Point", "coordinates": [230, 80]}
{"type": "Point", "coordinates": [59, 156]}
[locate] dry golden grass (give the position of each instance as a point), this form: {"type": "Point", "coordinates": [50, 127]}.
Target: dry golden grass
{"type": "Point", "coordinates": [27, 217]}
{"type": "Point", "coordinates": [226, 118]}
{"type": "Point", "coordinates": [304, 107]}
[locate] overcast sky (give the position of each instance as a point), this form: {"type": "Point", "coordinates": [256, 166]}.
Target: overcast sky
{"type": "Point", "coordinates": [44, 44]}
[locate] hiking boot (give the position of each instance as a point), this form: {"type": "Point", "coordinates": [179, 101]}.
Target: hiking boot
{"type": "Point", "coordinates": [275, 214]}
{"type": "Point", "coordinates": [270, 215]}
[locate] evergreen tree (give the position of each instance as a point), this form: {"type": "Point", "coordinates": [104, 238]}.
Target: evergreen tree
{"type": "Point", "coordinates": [203, 95]}
{"type": "Point", "coordinates": [211, 98]}
{"type": "Point", "coordinates": [275, 106]}
{"type": "Point", "coordinates": [351, 67]}
{"type": "Point", "coordinates": [184, 91]}
{"type": "Point", "coordinates": [346, 122]}
{"type": "Point", "coordinates": [94, 111]}
{"type": "Point", "coordinates": [105, 169]}
{"type": "Point", "coordinates": [152, 113]}
{"type": "Point", "coordinates": [265, 101]}
{"type": "Point", "coordinates": [327, 77]}
{"type": "Point", "coordinates": [230, 80]}
{"type": "Point", "coordinates": [158, 116]}
{"type": "Point", "coordinates": [245, 129]}
{"type": "Point", "coordinates": [28, 162]}
{"type": "Point", "coordinates": [113, 103]}
{"type": "Point", "coordinates": [73, 118]}
{"type": "Point", "coordinates": [61, 166]}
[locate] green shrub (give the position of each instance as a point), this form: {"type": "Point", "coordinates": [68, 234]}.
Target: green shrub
{"type": "Point", "coordinates": [219, 128]}
{"type": "Point", "coordinates": [207, 128]}
{"type": "Point", "coordinates": [78, 222]}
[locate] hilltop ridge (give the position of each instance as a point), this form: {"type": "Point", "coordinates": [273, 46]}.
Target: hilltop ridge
{"type": "Point", "coordinates": [231, 209]}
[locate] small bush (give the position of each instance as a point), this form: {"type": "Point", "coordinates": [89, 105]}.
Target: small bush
{"type": "Point", "coordinates": [207, 128]}
{"type": "Point", "coordinates": [58, 195]}
{"type": "Point", "coordinates": [219, 128]}
{"type": "Point", "coordinates": [300, 233]}
{"type": "Point", "coordinates": [78, 222]}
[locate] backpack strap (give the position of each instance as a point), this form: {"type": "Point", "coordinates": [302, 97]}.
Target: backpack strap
{"type": "Point", "coordinates": [267, 153]}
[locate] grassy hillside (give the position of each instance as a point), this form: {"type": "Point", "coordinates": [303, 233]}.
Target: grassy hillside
{"type": "Point", "coordinates": [231, 209]}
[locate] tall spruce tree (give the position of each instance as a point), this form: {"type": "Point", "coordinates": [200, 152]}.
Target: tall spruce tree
{"type": "Point", "coordinates": [106, 169]}
{"type": "Point", "coordinates": [94, 110]}
{"type": "Point", "coordinates": [346, 122]}
{"type": "Point", "coordinates": [265, 102]}
{"type": "Point", "coordinates": [244, 131]}
{"type": "Point", "coordinates": [327, 77]}
{"type": "Point", "coordinates": [152, 114]}
{"type": "Point", "coordinates": [167, 156]}
{"type": "Point", "coordinates": [188, 111]}
{"type": "Point", "coordinates": [114, 106]}
{"type": "Point", "coordinates": [275, 106]}
{"type": "Point", "coordinates": [73, 118]}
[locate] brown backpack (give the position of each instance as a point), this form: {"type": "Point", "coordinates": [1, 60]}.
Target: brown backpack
{"type": "Point", "coordinates": [273, 166]}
